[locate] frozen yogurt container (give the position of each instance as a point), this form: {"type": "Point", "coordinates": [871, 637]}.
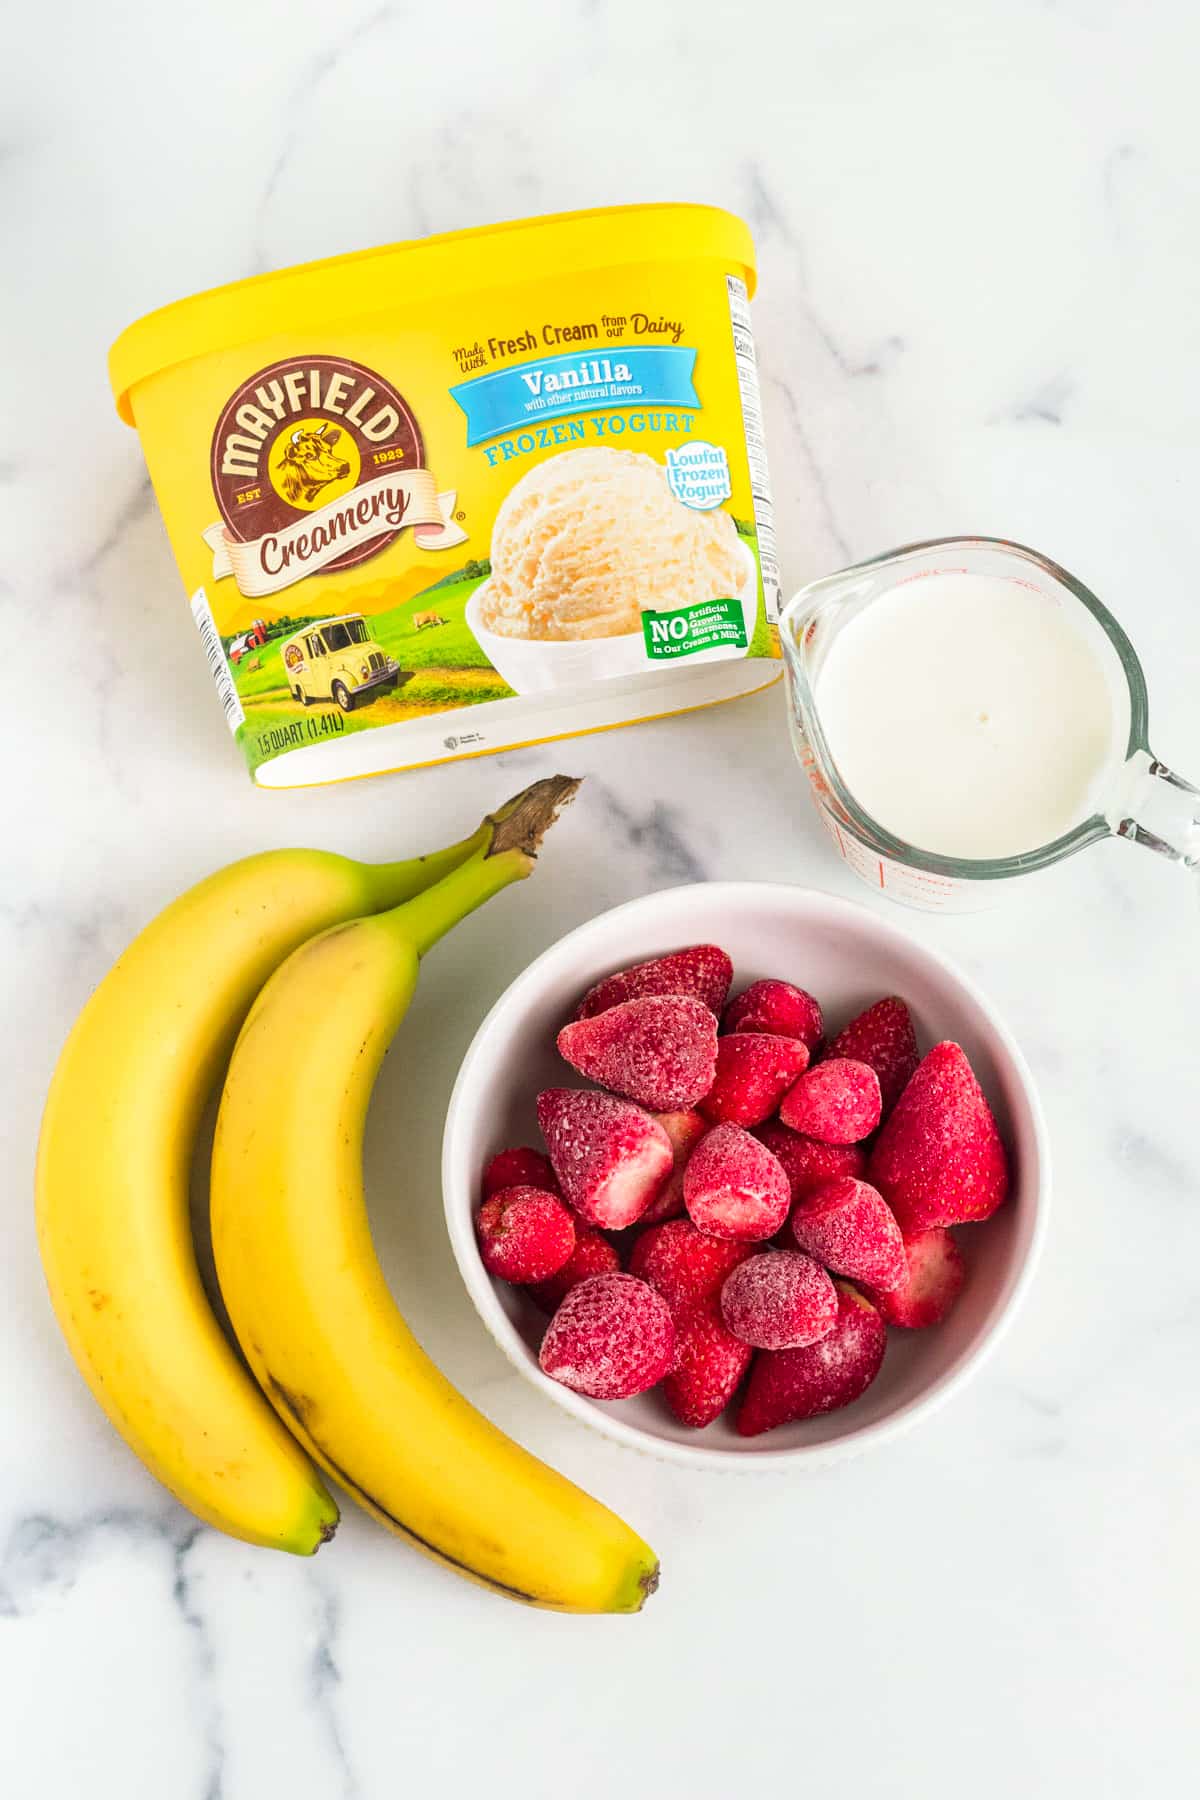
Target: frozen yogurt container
{"type": "Point", "coordinates": [474, 491]}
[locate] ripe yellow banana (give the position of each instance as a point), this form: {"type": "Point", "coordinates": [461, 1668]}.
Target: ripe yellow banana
{"type": "Point", "coordinates": [307, 1298]}
{"type": "Point", "coordinates": [112, 1181]}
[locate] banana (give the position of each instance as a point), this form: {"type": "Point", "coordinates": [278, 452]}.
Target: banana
{"type": "Point", "coordinates": [308, 1301]}
{"type": "Point", "coordinates": [112, 1182]}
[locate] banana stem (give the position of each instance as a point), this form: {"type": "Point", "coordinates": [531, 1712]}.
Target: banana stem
{"type": "Point", "coordinates": [390, 884]}
{"type": "Point", "coordinates": [508, 842]}
{"type": "Point", "coordinates": [523, 821]}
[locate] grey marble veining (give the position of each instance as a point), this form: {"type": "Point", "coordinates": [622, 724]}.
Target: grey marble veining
{"type": "Point", "coordinates": [976, 231]}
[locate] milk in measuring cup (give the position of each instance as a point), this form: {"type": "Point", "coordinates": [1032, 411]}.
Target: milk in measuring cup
{"type": "Point", "coordinates": [969, 715]}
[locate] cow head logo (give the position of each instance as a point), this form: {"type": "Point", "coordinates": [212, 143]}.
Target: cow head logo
{"type": "Point", "coordinates": [313, 462]}
{"type": "Point", "coordinates": [301, 435]}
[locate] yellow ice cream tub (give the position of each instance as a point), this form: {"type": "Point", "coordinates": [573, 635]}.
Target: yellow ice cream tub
{"type": "Point", "coordinates": [479, 490]}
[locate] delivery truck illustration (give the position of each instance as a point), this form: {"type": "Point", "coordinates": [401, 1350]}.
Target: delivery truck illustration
{"type": "Point", "coordinates": [337, 659]}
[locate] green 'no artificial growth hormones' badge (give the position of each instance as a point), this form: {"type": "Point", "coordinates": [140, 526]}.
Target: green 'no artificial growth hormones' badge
{"type": "Point", "coordinates": [712, 625]}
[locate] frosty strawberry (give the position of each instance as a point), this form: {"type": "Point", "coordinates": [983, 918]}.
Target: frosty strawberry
{"type": "Point", "coordinates": [849, 1227]}
{"type": "Point", "coordinates": [778, 1008]}
{"type": "Point", "coordinates": [734, 1188]}
{"type": "Point", "coordinates": [882, 1036]}
{"type": "Point", "coordinates": [592, 1255]}
{"type": "Point", "coordinates": [660, 1051]}
{"type": "Point", "coordinates": [611, 1338]}
{"type": "Point", "coordinates": [685, 1129]}
{"type": "Point", "coordinates": [836, 1103]}
{"type": "Point", "coordinates": [610, 1157]}
{"type": "Point", "coordinates": [939, 1159]}
{"type": "Point", "coordinates": [754, 1071]}
{"type": "Point", "coordinates": [932, 1281]}
{"type": "Point", "coordinates": [702, 970]}
{"type": "Point", "coordinates": [525, 1234]}
{"type": "Point", "coordinates": [709, 1365]}
{"type": "Point", "coordinates": [786, 1385]}
{"type": "Point", "coordinates": [779, 1300]}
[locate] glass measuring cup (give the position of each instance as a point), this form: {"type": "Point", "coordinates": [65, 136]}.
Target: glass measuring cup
{"type": "Point", "coordinates": [1140, 798]}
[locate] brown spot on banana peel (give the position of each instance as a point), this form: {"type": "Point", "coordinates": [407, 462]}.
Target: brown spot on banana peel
{"type": "Point", "coordinates": [298, 1406]}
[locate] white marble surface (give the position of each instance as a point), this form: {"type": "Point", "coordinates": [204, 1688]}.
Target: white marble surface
{"type": "Point", "coordinates": [977, 232]}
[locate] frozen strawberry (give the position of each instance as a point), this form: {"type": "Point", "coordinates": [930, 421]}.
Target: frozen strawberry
{"type": "Point", "coordinates": [933, 1282]}
{"type": "Point", "coordinates": [592, 1255]}
{"type": "Point", "coordinates": [850, 1228]}
{"type": "Point", "coordinates": [688, 1268]}
{"type": "Point", "coordinates": [798, 1384]}
{"type": "Point", "coordinates": [611, 1337]}
{"type": "Point", "coordinates": [661, 1051]}
{"type": "Point", "coordinates": [806, 1163]}
{"type": "Point", "coordinates": [778, 1008]}
{"type": "Point", "coordinates": [733, 1187]}
{"type": "Point", "coordinates": [754, 1071]}
{"type": "Point", "coordinates": [702, 970]}
{"type": "Point", "coordinates": [939, 1159]}
{"type": "Point", "coordinates": [779, 1300]}
{"type": "Point", "coordinates": [685, 1129]}
{"type": "Point", "coordinates": [883, 1036]}
{"type": "Point", "coordinates": [610, 1157]}
{"type": "Point", "coordinates": [521, 1167]}
{"type": "Point", "coordinates": [836, 1103]}
{"type": "Point", "coordinates": [686, 1265]}
{"type": "Point", "coordinates": [709, 1365]}
{"type": "Point", "coordinates": [525, 1234]}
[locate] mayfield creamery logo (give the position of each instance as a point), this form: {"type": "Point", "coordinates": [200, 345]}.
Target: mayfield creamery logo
{"type": "Point", "coordinates": [317, 464]}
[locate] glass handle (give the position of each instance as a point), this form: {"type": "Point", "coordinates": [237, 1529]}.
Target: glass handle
{"type": "Point", "coordinates": [1159, 809]}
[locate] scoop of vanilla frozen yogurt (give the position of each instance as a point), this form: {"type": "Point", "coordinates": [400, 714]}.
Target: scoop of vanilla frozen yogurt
{"type": "Point", "coordinates": [587, 541]}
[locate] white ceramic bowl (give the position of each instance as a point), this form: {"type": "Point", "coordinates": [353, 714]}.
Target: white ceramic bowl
{"type": "Point", "coordinates": [534, 665]}
{"type": "Point", "coordinates": [848, 957]}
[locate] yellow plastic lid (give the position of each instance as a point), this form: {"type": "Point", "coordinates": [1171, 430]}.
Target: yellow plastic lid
{"type": "Point", "coordinates": [315, 296]}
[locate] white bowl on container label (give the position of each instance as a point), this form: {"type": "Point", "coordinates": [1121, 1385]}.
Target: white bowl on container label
{"type": "Point", "coordinates": [534, 665]}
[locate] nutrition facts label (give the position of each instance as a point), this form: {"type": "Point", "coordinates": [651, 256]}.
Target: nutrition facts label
{"type": "Point", "coordinates": [756, 445]}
